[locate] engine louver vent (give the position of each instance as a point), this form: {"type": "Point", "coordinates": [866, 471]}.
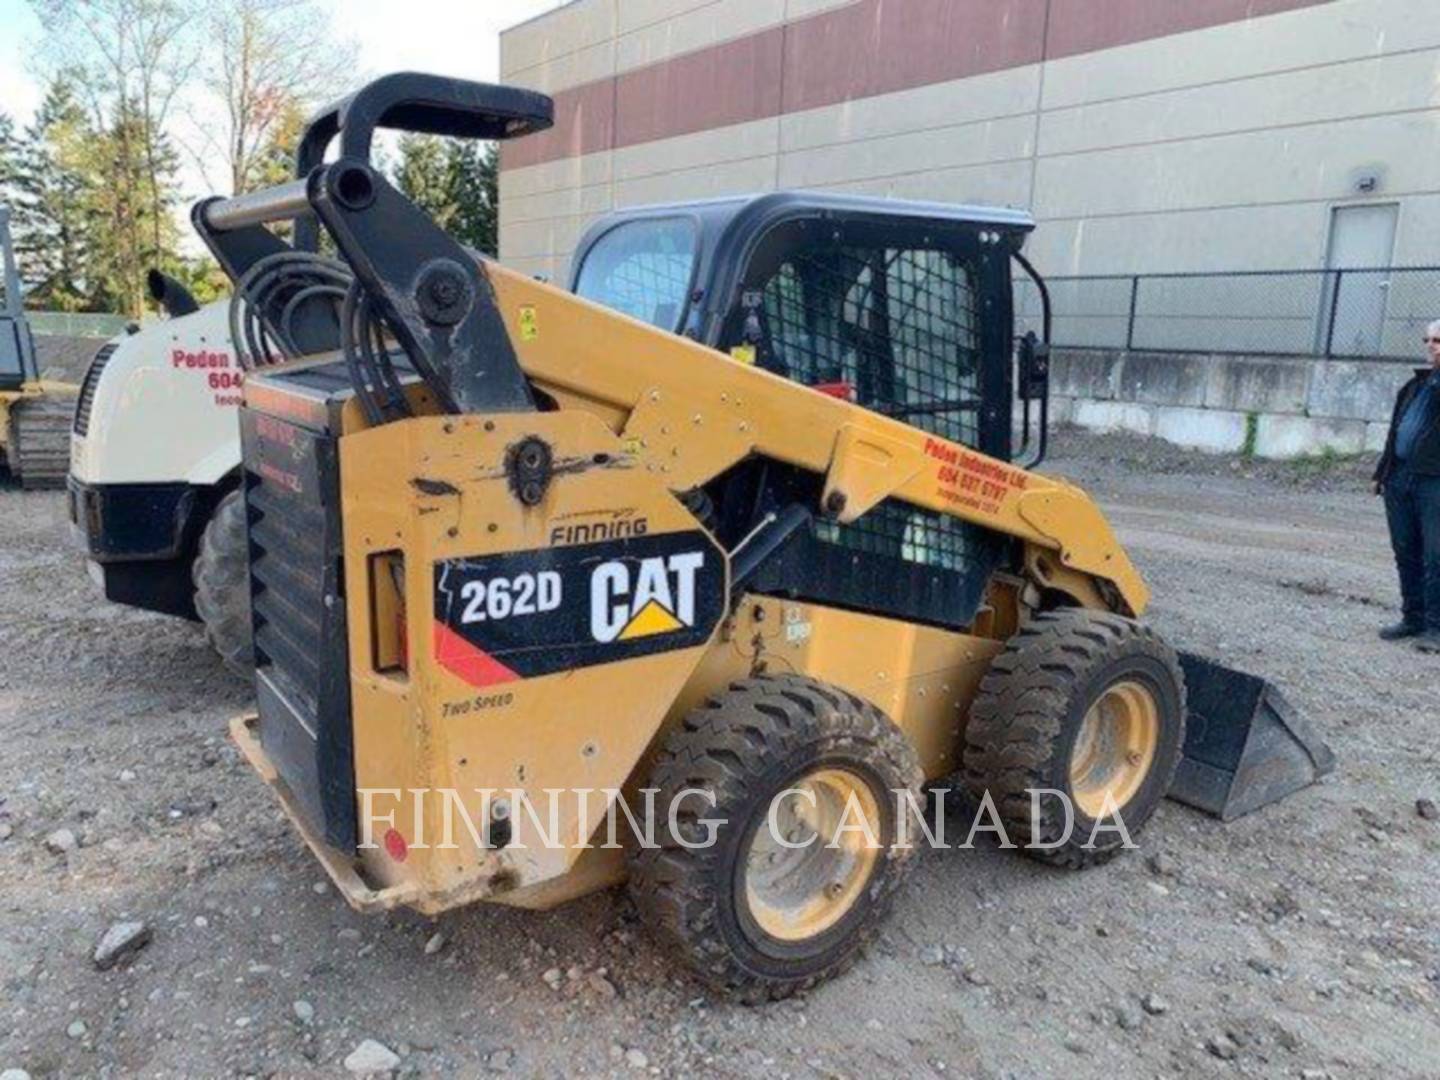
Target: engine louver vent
{"type": "Point", "coordinates": [88, 387]}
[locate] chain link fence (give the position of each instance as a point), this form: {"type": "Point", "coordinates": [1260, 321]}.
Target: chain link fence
{"type": "Point", "coordinates": [1332, 313]}
{"type": "Point", "coordinates": [1378, 313]}
{"type": "Point", "coordinates": [76, 324]}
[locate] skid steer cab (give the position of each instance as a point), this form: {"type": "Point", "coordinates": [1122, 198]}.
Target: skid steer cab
{"type": "Point", "coordinates": [693, 587]}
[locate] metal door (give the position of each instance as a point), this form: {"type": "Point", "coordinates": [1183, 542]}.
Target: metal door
{"type": "Point", "coordinates": [1362, 242]}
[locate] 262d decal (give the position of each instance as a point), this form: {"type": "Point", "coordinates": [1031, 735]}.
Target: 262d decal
{"type": "Point", "coordinates": [519, 615]}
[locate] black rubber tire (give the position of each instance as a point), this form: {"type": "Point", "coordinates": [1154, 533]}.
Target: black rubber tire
{"type": "Point", "coordinates": [221, 574]}
{"type": "Point", "coordinates": [1028, 712]}
{"type": "Point", "coordinates": [746, 745]}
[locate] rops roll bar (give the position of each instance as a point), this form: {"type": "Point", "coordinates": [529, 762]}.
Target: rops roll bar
{"type": "Point", "coordinates": [400, 276]}
{"type": "Point", "coordinates": [410, 101]}
{"type": "Point", "coordinates": [403, 101]}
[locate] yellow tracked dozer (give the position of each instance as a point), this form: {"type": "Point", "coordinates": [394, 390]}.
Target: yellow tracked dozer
{"type": "Point", "coordinates": [35, 413]}
{"type": "Point", "coordinates": [695, 575]}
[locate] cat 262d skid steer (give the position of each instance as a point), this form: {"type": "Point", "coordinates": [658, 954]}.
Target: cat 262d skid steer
{"type": "Point", "coordinates": [750, 557]}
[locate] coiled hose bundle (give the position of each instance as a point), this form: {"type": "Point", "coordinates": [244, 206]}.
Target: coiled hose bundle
{"type": "Point", "coordinates": [270, 297]}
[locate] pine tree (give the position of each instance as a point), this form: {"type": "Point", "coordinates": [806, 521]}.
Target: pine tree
{"type": "Point", "coordinates": [52, 182]}
{"type": "Point", "coordinates": [456, 182]}
{"type": "Point", "coordinates": [9, 151]}
{"type": "Point", "coordinates": [135, 226]}
{"type": "Point", "coordinates": [474, 175]}
{"type": "Point", "coordinates": [420, 176]}
{"type": "Point", "coordinates": [128, 60]}
{"type": "Point", "coordinates": [119, 259]}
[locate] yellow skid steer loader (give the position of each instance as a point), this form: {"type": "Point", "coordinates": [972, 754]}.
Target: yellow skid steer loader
{"type": "Point", "coordinates": [698, 593]}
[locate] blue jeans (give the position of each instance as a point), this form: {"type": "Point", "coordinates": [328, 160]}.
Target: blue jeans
{"type": "Point", "coordinates": [1412, 506]}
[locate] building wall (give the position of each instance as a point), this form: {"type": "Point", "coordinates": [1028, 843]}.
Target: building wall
{"type": "Point", "coordinates": [1146, 135]}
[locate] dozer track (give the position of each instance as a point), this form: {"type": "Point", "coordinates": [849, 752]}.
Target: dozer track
{"type": "Point", "coordinates": [40, 440]}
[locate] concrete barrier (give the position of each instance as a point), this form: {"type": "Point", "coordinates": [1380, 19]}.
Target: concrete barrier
{"type": "Point", "coordinates": [1274, 407]}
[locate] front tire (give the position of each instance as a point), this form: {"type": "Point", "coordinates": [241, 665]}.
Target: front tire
{"type": "Point", "coordinates": [1086, 703]}
{"type": "Point", "coordinates": [221, 574]}
{"type": "Point", "coordinates": [760, 913]}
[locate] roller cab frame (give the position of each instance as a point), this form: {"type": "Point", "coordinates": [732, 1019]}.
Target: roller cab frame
{"type": "Point", "coordinates": [513, 542]}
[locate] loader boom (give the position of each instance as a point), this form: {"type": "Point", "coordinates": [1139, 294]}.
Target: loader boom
{"type": "Point", "coordinates": [690, 413]}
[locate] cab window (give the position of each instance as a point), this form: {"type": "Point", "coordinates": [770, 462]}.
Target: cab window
{"type": "Point", "coordinates": [642, 268]}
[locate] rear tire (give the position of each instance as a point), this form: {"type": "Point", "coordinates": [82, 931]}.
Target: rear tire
{"type": "Point", "coordinates": [753, 917]}
{"type": "Point", "coordinates": [1086, 703]}
{"type": "Point", "coordinates": [221, 573]}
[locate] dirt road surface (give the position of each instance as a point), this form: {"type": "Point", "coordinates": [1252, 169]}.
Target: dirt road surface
{"type": "Point", "coordinates": [1303, 941]}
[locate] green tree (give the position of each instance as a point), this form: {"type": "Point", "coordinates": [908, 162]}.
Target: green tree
{"type": "Point", "coordinates": [133, 213]}
{"type": "Point", "coordinates": [54, 180]}
{"type": "Point", "coordinates": [456, 181]}
{"type": "Point", "coordinates": [127, 60]}
{"type": "Point", "coordinates": [274, 161]}
{"type": "Point", "coordinates": [204, 278]}
{"type": "Point", "coordinates": [9, 151]}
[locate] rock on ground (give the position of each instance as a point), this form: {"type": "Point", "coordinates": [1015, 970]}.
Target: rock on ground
{"type": "Point", "coordinates": [372, 1057]}
{"type": "Point", "coordinates": [120, 940]}
{"type": "Point", "coordinates": [636, 1058]}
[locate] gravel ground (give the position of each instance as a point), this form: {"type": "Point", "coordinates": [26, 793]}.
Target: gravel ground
{"type": "Point", "coordinates": [1303, 941]}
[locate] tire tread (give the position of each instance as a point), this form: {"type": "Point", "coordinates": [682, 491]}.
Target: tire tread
{"type": "Point", "coordinates": [1018, 716]}
{"type": "Point", "coordinates": [221, 574]}
{"type": "Point", "coordinates": [725, 746]}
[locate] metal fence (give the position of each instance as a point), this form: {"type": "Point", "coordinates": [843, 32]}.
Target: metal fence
{"type": "Point", "coordinates": [1332, 313]}
{"type": "Point", "coordinates": [1327, 313]}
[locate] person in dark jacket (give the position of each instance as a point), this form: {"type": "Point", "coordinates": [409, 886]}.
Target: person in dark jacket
{"type": "Point", "coordinates": [1409, 477]}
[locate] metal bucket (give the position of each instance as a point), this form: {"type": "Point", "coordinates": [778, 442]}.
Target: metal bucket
{"type": "Point", "coordinates": [1245, 746]}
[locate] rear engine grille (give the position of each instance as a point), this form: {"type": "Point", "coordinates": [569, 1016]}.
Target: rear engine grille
{"type": "Point", "coordinates": [302, 684]}
{"type": "Point", "coordinates": [288, 566]}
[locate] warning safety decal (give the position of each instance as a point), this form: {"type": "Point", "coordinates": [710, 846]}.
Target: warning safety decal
{"type": "Point", "coordinates": [515, 616]}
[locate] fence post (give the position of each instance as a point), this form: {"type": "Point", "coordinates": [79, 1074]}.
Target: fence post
{"type": "Point", "coordinates": [1334, 307]}
{"type": "Point", "coordinates": [1134, 299]}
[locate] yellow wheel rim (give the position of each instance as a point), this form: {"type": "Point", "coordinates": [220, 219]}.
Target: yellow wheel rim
{"type": "Point", "coordinates": [805, 874]}
{"type": "Point", "coordinates": [1115, 749]}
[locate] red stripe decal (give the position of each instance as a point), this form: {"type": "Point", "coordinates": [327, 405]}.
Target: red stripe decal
{"type": "Point", "coordinates": [475, 666]}
{"type": "Point", "coordinates": [854, 51]}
